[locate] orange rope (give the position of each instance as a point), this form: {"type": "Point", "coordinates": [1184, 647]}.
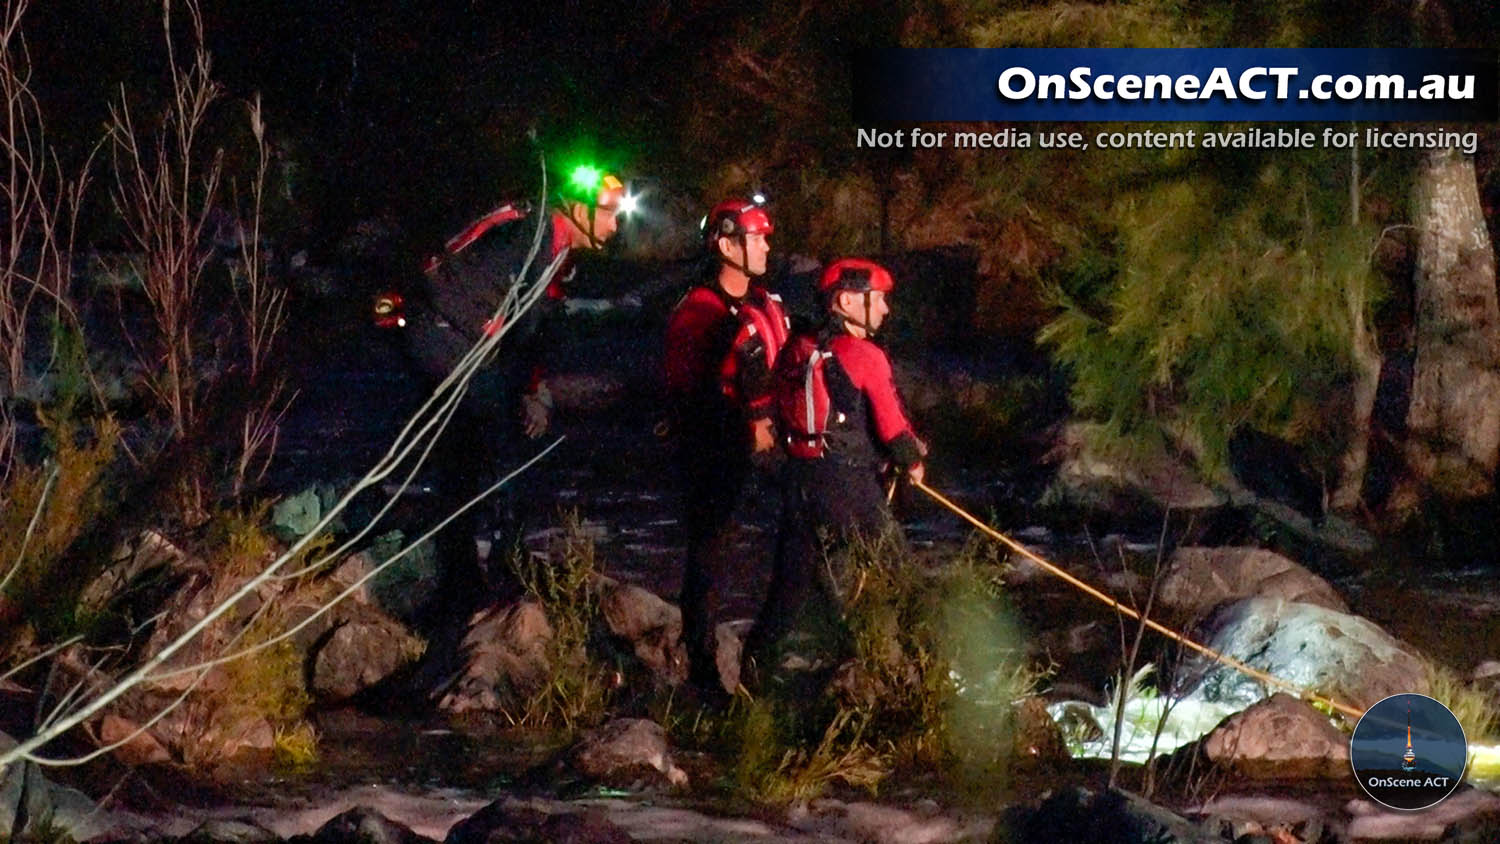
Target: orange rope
{"type": "Point", "coordinates": [1230, 661]}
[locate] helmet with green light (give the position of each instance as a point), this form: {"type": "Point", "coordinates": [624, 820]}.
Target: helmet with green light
{"type": "Point", "coordinates": [591, 198]}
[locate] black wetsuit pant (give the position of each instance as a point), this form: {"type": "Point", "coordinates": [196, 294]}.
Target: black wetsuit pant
{"type": "Point", "coordinates": [713, 466]}
{"type": "Point", "coordinates": [825, 503]}
{"type": "Point", "coordinates": [481, 442]}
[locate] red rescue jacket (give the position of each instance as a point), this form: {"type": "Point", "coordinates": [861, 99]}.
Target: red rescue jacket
{"type": "Point", "coordinates": [723, 348]}
{"type": "Point", "coordinates": [835, 395]}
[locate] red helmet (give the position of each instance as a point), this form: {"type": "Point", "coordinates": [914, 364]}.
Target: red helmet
{"type": "Point", "coordinates": [855, 274]}
{"type": "Point", "coordinates": [735, 218]}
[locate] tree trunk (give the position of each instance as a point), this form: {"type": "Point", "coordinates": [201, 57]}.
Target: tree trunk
{"type": "Point", "coordinates": [1454, 417]}
{"type": "Point", "coordinates": [1365, 351]}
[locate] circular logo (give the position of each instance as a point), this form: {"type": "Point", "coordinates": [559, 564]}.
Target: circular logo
{"type": "Point", "coordinates": [1408, 752]}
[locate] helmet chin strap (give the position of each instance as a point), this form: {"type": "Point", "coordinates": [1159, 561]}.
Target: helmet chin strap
{"type": "Point", "coordinates": [865, 326]}
{"type": "Point", "coordinates": [594, 242]}
{"type": "Point", "coordinates": [742, 267]}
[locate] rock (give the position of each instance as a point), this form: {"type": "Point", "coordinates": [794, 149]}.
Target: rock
{"type": "Point", "coordinates": [509, 820]}
{"type": "Point", "coordinates": [190, 604]}
{"type": "Point", "coordinates": [143, 749]}
{"type": "Point", "coordinates": [29, 803]}
{"type": "Point", "coordinates": [147, 552]}
{"type": "Point", "coordinates": [402, 588]}
{"type": "Point", "coordinates": [650, 624]}
{"type": "Point", "coordinates": [1342, 656]}
{"type": "Point", "coordinates": [729, 641]}
{"type": "Point", "coordinates": [362, 648]}
{"type": "Point", "coordinates": [1076, 814]}
{"type": "Point", "coordinates": [1037, 737]}
{"type": "Point", "coordinates": [1198, 579]}
{"type": "Point", "coordinates": [1090, 478]}
{"type": "Point", "coordinates": [230, 831]}
{"type": "Point", "coordinates": [363, 825]}
{"type": "Point", "coordinates": [624, 748]}
{"type": "Point", "coordinates": [1280, 738]}
{"type": "Point", "coordinates": [1469, 815]}
{"type": "Point", "coordinates": [505, 654]}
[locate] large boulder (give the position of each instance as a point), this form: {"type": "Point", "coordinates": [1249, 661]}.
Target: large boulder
{"type": "Point", "coordinates": [1279, 738]}
{"type": "Point", "coordinates": [511, 820]}
{"type": "Point", "coordinates": [626, 749]}
{"type": "Point", "coordinates": [652, 626]}
{"type": "Point", "coordinates": [1198, 579]}
{"type": "Point", "coordinates": [505, 656]}
{"type": "Point", "coordinates": [361, 648]}
{"type": "Point", "coordinates": [402, 588]}
{"type": "Point", "coordinates": [30, 804]}
{"type": "Point", "coordinates": [1339, 655]}
{"type": "Point", "coordinates": [1096, 479]}
{"type": "Point", "coordinates": [1077, 814]}
{"type": "Point", "coordinates": [363, 825]}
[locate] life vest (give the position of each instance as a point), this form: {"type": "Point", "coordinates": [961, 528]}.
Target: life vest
{"type": "Point", "coordinates": [804, 407]}
{"type": "Point", "coordinates": [760, 315]}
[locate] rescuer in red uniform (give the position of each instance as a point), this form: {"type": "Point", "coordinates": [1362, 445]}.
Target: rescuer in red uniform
{"type": "Point", "coordinates": [722, 341]}
{"type": "Point", "coordinates": [451, 310]}
{"type": "Point", "coordinates": [841, 422]}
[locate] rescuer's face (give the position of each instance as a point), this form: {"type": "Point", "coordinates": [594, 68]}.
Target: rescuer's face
{"type": "Point", "coordinates": [852, 306]}
{"type": "Point", "coordinates": [750, 253]}
{"type": "Point", "coordinates": [756, 250]}
{"type": "Point", "coordinates": [605, 223]}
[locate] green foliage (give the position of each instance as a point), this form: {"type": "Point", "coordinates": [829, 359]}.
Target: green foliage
{"type": "Point", "coordinates": [296, 745]}
{"type": "Point", "coordinates": [579, 686]}
{"type": "Point", "coordinates": [44, 508]}
{"type": "Point", "coordinates": [1145, 23]}
{"type": "Point", "coordinates": [1476, 709]}
{"type": "Point", "coordinates": [1226, 309]}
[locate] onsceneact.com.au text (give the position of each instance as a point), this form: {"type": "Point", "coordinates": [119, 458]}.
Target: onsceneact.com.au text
{"type": "Point", "coordinates": [1252, 83]}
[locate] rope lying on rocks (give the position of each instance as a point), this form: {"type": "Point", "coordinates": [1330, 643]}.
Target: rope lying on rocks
{"type": "Point", "coordinates": [1253, 673]}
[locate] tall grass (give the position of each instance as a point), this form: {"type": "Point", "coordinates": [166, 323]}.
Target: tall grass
{"type": "Point", "coordinates": [934, 670]}
{"type": "Point", "coordinates": [579, 684]}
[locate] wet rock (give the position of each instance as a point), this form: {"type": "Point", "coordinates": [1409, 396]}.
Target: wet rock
{"type": "Point", "coordinates": [624, 749]}
{"type": "Point", "coordinates": [505, 654]}
{"type": "Point", "coordinates": [1077, 814]}
{"type": "Point", "coordinates": [230, 831]}
{"type": "Point", "coordinates": [1090, 478]}
{"type": "Point", "coordinates": [1466, 815]}
{"type": "Point", "coordinates": [651, 625]}
{"type": "Point", "coordinates": [508, 820]}
{"type": "Point", "coordinates": [1343, 656]}
{"type": "Point", "coordinates": [142, 749]}
{"type": "Point", "coordinates": [362, 648]}
{"type": "Point", "coordinates": [30, 803]}
{"type": "Point", "coordinates": [1280, 738]}
{"type": "Point", "coordinates": [198, 595]}
{"type": "Point", "coordinates": [148, 551]}
{"type": "Point", "coordinates": [729, 642]}
{"type": "Point", "coordinates": [363, 825]}
{"type": "Point", "coordinates": [401, 588]}
{"type": "Point", "coordinates": [1037, 738]}
{"type": "Point", "coordinates": [1198, 579]}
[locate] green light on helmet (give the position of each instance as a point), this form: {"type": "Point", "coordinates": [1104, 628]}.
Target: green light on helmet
{"type": "Point", "coordinates": [585, 179]}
